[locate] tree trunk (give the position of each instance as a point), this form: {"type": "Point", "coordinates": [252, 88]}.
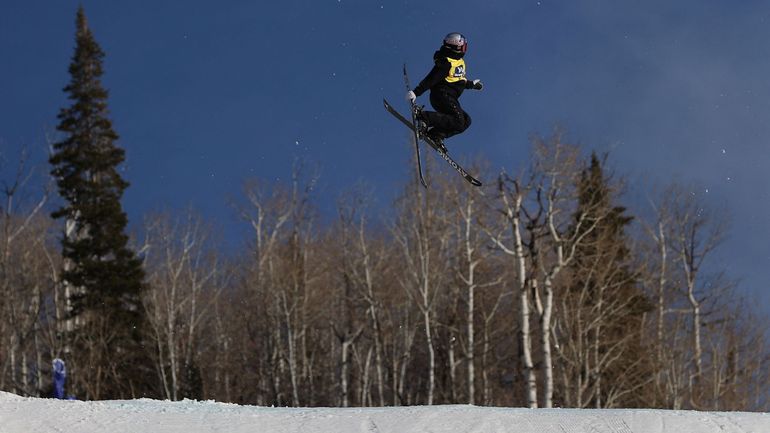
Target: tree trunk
{"type": "Point", "coordinates": [545, 341]}
{"type": "Point", "coordinates": [663, 249]}
{"type": "Point", "coordinates": [431, 351]}
{"type": "Point", "coordinates": [344, 373]}
{"type": "Point", "coordinates": [524, 314]}
{"type": "Point", "coordinates": [471, 287]}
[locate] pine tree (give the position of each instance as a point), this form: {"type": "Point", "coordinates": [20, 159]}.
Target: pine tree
{"type": "Point", "coordinates": [605, 288]}
{"type": "Point", "coordinates": [104, 277]}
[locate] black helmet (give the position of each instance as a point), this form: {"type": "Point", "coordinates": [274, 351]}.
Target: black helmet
{"type": "Point", "coordinates": [456, 42]}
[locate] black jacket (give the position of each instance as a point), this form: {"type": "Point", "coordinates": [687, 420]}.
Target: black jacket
{"type": "Point", "coordinates": [435, 81]}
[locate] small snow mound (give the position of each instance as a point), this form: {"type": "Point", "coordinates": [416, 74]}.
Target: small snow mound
{"type": "Point", "coordinates": [7, 396]}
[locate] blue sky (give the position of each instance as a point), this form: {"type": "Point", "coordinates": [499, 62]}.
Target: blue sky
{"type": "Point", "coordinates": [206, 94]}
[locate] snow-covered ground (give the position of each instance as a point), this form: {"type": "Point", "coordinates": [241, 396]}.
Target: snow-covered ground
{"type": "Point", "coordinates": [28, 415]}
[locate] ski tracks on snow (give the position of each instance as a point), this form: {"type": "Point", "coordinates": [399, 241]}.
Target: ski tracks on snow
{"type": "Point", "coordinates": [577, 422]}
{"type": "Point", "coordinates": [727, 424]}
{"type": "Point", "coordinates": [369, 426]}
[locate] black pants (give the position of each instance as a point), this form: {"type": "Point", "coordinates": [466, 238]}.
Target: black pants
{"type": "Point", "coordinates": [449, 118]}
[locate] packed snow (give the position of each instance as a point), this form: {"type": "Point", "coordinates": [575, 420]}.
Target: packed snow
{"type": "Point", "coordinates": [25, 415]}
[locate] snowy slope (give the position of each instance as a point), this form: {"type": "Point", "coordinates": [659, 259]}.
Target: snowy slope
{"type": "Point", "coordinates": [25, 415]}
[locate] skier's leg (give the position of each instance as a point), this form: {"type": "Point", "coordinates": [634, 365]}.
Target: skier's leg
{"type": "Point", "coordinates": [460, 119]}
{"type": "Point", "coordinates": [466, 120]}
{"type": "Point", "coordinates": [449, 118]}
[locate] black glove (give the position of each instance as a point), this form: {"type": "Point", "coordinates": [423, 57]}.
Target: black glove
{"type": "Point", "coordinates": [477, 85]}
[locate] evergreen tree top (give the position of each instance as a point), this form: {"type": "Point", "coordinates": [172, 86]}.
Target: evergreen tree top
{"type": "Point", "coordinates": [86, 158]}
{"type": "Point", "coordinates": [105, 276]}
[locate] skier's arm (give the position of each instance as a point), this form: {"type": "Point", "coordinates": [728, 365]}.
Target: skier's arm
{"type": "Point", "coordinates": [474, 84]}
{"type": "Point", "coordinates": [439, 71]}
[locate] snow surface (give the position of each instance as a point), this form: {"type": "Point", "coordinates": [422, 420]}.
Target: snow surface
{"type": "Point", "coordinates": [26, 415]}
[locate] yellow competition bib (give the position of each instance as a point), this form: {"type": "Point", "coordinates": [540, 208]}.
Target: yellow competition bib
{"type": "Point", "coordinates": [456, 70]}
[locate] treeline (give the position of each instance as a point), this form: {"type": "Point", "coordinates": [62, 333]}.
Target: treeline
{"type": "Point", "coordinates": [539, 289]}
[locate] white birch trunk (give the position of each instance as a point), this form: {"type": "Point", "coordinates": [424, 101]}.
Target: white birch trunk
{"type": "Point", "coordinates": [370, 297]}
{"type": "Point", "coordinates": [545, 340]}
{"type": "Point", "coordinates": [365, 394]}
{"type": "Point", "coordinates": [512, 211]}
{"type": "Point", "coordinates": [291, 343]}
{"type": "Point", "coordinates": [524, 314]}
{"type": "Point", "coordinates": [471, 287]}
{"type": "Point", "coordinates": [690, 270]}
{"type": "Point", "coordinates": [431, 351]}
{"type": "Point", "coordinates": [344, 373]}
{"type": "Point", "coordinates": [471, 352]}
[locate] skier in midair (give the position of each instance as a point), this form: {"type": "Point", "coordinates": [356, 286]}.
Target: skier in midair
{"type": "Point", "coordinates": [446, 82]}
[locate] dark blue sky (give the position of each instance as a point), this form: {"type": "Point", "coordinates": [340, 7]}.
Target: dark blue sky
{"type": "Point", "coordinates": [206, 94]}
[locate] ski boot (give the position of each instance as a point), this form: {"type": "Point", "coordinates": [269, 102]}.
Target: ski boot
{"type": "Point", "coordinates": [422, 122]}
{"type": "Point", "coordinates": [437, 138]}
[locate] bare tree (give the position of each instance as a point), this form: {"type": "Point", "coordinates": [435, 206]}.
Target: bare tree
{"type": "Point", "coordinates": [269, 214]}
{"type": "Point", "coordinates": [512, 195]}
{"type": "Point", "coordinates": [281, 273]}
{"type": "Point", "coordinates": [557, 166]}
{"type": "Point", "coordinates": [25, 282]}
{"type": "Point", "coordinates": [423, 241]}
{"type": "Point", "coordinates": [365, 260]}
{"type": "Point", "coordinates": [696, 234]}
{"type": "Point", "coordinates": [693, 233]}
{"type": "Point", "coordinates": [473, 262]}
{"type": "Point", "coordinates": [183, 278]}
{"type": "Point", "coordinates": [705, 349]}
{"type": "Point", "coordinates": [539, 215]}
{"type": "Point", "coordinates": [658, 281]}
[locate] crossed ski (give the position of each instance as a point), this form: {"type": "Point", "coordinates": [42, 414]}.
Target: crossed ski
{"type": "Point", "coordinates": [418, 136]}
